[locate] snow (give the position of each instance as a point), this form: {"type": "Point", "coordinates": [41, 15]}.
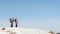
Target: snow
{"type": "Point", "coordinates": [14, 30]}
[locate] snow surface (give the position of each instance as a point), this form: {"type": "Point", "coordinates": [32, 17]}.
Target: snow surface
{"type": "Point", "coordinates": [9, 30]}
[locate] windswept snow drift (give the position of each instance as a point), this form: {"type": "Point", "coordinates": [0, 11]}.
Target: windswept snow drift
{"type": "Point", "coordinates": [22, 31]}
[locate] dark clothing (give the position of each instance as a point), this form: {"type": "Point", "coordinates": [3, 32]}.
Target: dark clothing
{"type": "Point", "coordinates": [11, 21]}
{"type": "Point", "coordinates": [16, 22]}
{"type": "Point", "coordinates": [11, 24]}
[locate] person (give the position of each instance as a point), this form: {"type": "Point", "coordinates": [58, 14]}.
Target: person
{"type": "Point", "coordinates": [11, 21]}
{"type": "Point", "coordinates": [16, 22]}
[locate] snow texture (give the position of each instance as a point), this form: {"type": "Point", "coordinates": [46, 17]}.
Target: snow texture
{"type": "Point", "coordinates": [8, 30]}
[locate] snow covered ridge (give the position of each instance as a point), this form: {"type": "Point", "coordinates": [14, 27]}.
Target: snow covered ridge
{"type": "Point", "coordinates": [22, 31]}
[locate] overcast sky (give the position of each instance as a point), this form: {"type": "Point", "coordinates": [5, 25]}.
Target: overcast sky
{"type": "Point", "coordinates": [40, 14]}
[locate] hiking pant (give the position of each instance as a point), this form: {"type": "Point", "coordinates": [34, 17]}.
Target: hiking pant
{"type": "Point", "coordinates": [16, 25]}
{"type": "Point", "coordinates": [11, 24]}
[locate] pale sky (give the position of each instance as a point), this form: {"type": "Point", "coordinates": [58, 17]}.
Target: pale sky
{"type": "Point", "coordinates": [40, 14]}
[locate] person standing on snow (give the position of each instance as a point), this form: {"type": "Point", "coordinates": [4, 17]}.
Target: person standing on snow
{"type": "Point", "coordinates": [11, 21]}
{"type": "Point", "coordinates": [16, 22]}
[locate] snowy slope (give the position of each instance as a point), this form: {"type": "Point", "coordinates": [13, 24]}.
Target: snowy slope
{"type": "Point", "coordinates": [22, 31]}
